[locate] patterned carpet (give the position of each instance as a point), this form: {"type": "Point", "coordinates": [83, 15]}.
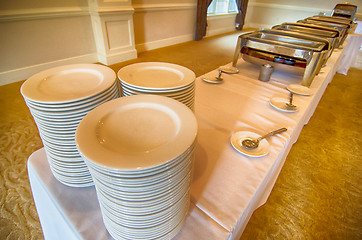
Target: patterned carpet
{"type": "Point", "coordinates": [18, 139]}
{"type": "Point", "coordinates": [318, 194]}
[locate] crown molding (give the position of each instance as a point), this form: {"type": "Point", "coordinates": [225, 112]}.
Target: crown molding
{"type": "Point", "coordinates": [41, 13]}
{"type": "Point", "coordinates": [163, 7]}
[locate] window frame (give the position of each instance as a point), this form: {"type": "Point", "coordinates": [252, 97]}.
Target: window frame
{"type": "Point", "coordinates": [213, 4]}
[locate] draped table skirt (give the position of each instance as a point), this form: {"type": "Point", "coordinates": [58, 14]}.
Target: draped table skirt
{"type": "Point", "coordinates": [227, 186]}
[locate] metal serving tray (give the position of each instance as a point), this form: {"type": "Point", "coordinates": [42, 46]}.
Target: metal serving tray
{"type": "Point", "coordinates": [331, 34]}
{"type": "Point", "coordinates": [334, 19]}
{"type": "Point", "coordinates": [343, 28]}
{"type": "Point", "coordinates": [286, 51]}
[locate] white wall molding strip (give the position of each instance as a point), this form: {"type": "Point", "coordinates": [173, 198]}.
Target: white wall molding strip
{"type": "Point", "coordinates": [163, 42]}
{"type": "Point", "coordinates": [163, 7]}
{"type": "Point", "coordinates": [31, 14]}
{"type": "Point", "coordinates": [257, 25]}
{"type": "Point", "coordinates": [288, 7]}
{"type": "Point", "coordinates": [113, 10]}
{"type": "Point", "coordinates": [24, 73]}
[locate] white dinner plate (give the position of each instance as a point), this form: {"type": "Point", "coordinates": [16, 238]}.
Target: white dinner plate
{"type": "Point", "coordinates": [156, 75]}
{"type": "Point", "coordinates": [136, 132]}
{"type": "Point", "coordinates": [281, 105]}
{"type": "Point", "coordinates": [175, 171]}
{"type": "Point", "coordinates": [139, 173]}
{"type": "Point", "coordinates": [76, 102]}
{"type": "Point", "coordinates": [158, 89]}
{"type": "Point", "coordinates": [68, 83]}
{"type": "Point", "coordinates": [236, 141]}
{"type": "Point", "coordinates": [299, 89]}
{"type": "Point", "coordinates": [186, 92]}
{"type": "Point", "coordinates": [79, 107]}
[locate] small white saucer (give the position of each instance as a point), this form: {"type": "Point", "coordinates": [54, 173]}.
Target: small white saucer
{"type": "Point", "coordinates": [299, 89]}
{"type": "Point", "coordinates": [236, 141]}
{"type": "Point", "coordinates": [281, 105]}
{"type": "Point", "coordinates": [229, 69]}
{"type": "Point", "coordinates": [212, 80]}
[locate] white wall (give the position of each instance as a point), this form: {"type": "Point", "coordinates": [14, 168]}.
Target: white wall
{"type": "Point", "coordinates": [162, 23]}
{"type": "Point", "coordinates": [219, 24]}
{"type": "Point", "coordinates": [267, 13]}
{"type": "Point", "coordinates": [37, 35]}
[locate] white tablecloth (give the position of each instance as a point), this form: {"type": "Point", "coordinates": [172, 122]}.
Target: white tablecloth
{"type": "Point", "coordinates": [227, 186]}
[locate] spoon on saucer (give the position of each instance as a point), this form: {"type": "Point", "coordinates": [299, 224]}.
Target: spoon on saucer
{"type": "Point", "coordinates": [217, 79]}
{"type": "Point", "coordinates": [251, 143]}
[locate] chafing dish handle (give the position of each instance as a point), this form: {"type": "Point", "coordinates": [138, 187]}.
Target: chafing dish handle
{"type": "Point", "coordinates": [238, 48]}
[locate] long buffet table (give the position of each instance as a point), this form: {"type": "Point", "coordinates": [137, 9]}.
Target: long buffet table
{"type": "Point", "coordinates": [227, 186]}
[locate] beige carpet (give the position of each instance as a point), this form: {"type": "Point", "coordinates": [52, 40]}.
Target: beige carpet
{"type": "Point", "coordinates": [318, 194]}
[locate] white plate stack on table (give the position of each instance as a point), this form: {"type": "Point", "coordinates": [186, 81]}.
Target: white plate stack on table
{"type": "Point", "coordinates": [159, 78]}
{"type": "Point", "coordinates": [139, 150]}
{"type": "Point", "coordinates": [58, 99]}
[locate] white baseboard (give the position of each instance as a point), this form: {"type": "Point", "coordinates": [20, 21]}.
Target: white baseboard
{"type": "Point", "coordinates": [218, 31]}
{"type": "Point", "coordinates": [20, 74]}
{"type": "Point", "coordinates": [257, 25]}
{"type": "Point", "coordinates": [117, 57]}
{"type": "Point", "coordinates": [163, 42]}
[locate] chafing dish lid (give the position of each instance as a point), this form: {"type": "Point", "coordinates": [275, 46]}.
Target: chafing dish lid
{"type": "Point", "coordinates": [309, 29]}
{"type": "Point", "coordinates": [298, 37]}
{"type": "Point", "coordinates": [285, 41]}
{"type": "Point", "coordinates": [329, 22]}
{"type": "Point", "coordinates": [335, 19]}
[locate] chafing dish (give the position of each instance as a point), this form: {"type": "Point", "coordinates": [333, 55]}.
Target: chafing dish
{"type": "Point", "coordinates": [342, 27]}
{"type": "Point", "coordinates": [339, 20]}
{"type": "Point", "coordinates": [331, 34]}
{"type": "Point", "coordinates": [334, 19]}
{"type": "Point", "coordinates": [287, 51]}
{"type": "Point", "coordinates": [344, 10]}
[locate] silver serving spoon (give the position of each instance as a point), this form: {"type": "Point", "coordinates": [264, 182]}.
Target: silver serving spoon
{"type": "Point", "coordinates": [219, 78]}
{"type": "Point", "coordinates": [251, 143]}
{"type": "Point", "coordinates": [290, 105]}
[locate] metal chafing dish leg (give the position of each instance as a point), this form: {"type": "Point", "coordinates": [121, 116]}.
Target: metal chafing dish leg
{"type": "Point", "coordinates": [311, 69]}
{"type": "Point", "coordinates": [237, 52]}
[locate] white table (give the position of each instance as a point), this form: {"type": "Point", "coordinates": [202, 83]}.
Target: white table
{"type": "Point", "coordinates": [227, 186]}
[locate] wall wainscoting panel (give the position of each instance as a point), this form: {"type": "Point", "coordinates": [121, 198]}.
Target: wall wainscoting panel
{"type": "Point", "coordinates": [114, 34]}
{"type": "Point", "coordinates": [33, 43]}
{"type": "Point", "coordinates": [161, 25]}
{"type": "Point", "coordinates": [24, 73]}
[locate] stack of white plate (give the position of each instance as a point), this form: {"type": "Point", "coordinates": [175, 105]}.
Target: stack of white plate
{"type": "Point", "coordinates": [139, 150]}
{"type": "Point", "coordinates": [165, 79]}
{"type": "Point", "coordinates": [58, 99]}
